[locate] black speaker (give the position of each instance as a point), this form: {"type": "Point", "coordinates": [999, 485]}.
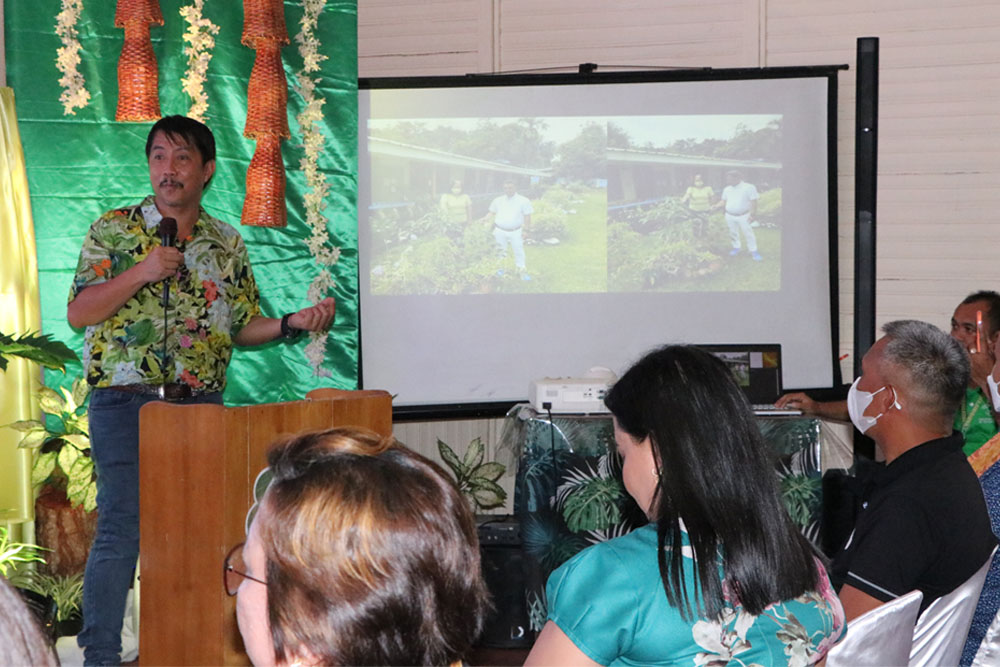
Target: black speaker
{"type": "Point", "coordinates": [508, 625]}
{"type": "Point", "coordinates": [865, 192]}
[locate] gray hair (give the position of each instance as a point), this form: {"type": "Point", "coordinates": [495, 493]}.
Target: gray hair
{"type": "Point", "coordinates": [934, 366]}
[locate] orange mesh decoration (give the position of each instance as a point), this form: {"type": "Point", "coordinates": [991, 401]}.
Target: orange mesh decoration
{"type": "Point", "coordinates": [263, 21]}
{"type": "Point", "coordinates": [264, 205]}
{"type": "Point", "coordinates": [267, 95]}
{"type": "Point", "coordinates": [267, 116]}
{"type": "Point", "coordinates": [138, 77]}
{"type": "Point", "coordinates": [147, 11]}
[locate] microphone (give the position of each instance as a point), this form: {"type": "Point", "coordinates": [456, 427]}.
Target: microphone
{"type": "Point", "coordinates": [168, 232]}
{"type": "Point", "coordinates": [168, 237]}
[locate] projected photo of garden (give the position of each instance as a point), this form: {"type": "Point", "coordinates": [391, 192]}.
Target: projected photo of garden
{"type": "Point", "coordinates": [489, 205]}
{"type": "Point", "coordinates": [694, 203]}
{"type": "Point", "coordinates": [576, 204]}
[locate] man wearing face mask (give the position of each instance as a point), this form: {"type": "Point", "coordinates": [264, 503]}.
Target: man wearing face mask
{"type": "Point", "coordinates": [975, 324]}
{"type": "Point", "coordinates": [922, 522]}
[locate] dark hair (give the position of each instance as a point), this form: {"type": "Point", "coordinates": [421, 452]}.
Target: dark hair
{"type": "Point", "coordinates": [717, 477]}
{"type": "Point", "coordinates": [21, 640]}
{"type": "Point", "coordinates": [991, 299]}
{"type": "Point", "coordinates": [372, 554]}
{"type": "Point", "coordinates": [193, 132]}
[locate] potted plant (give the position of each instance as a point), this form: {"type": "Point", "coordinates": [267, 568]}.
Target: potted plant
{"type": "Point", "coordinates": [42, 349]}
{"type": "Point", "coordinates": [64, 469]}
{"type": "Point", "coordinates": [65, 592]}
{"type": "Point", "coordinates": [476, 478]}
{"type": "Point", "coordinates": [16, 554]}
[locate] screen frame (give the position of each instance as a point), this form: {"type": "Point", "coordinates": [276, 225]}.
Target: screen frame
{"type": "Point", "coordinates": [585, 77]}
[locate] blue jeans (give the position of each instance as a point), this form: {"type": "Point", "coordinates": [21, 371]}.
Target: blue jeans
{"type": "Point", "coordinates": [114, 445]}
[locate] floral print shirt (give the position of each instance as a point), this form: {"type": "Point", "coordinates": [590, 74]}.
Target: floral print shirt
{"type": "Point", "coordinates": [609, 601]}
{"type": "Point", "coordinates": [212, 296]}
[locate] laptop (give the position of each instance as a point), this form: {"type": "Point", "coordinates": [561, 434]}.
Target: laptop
{"type": "Point", "coordinates": [757, 370]}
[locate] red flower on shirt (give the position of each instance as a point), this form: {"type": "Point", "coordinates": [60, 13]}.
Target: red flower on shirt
{"type": "Point", "coordinates": [211, 290]}
{"type": "Point", "coordinates": [191, 380]}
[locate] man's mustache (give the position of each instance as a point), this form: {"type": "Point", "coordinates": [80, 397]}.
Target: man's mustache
{"type": "Point", "coordinates": [174, 183]}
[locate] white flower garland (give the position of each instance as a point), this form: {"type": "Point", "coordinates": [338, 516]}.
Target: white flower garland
{"type": "Point", "coordinates": [317, 188]}
{"type": "Point", "coordinates": [199, 35]}
{"type": "Point", "coordinates": [74, 95]}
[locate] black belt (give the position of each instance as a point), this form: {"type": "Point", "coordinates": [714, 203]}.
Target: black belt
{"type": "Point", "coordinates": [172, 391]}
{"type": "Point", "coordinates": [507, 230]}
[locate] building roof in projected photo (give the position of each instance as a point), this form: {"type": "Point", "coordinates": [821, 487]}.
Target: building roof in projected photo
{"type": "Point", "coordinates": [659, 157]}
{"type": "Point", "coordinates": [391, 148]}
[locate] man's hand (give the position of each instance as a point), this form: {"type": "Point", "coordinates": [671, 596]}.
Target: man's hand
{"type": "Point", "coordinates": [825, 409]}
{"type": "Point", "coordinates": [161, 262]}
{"type": "Point", "coordinates": [99, 302]}
{"type": "Point", "coordinates": [797, 401]}
{"type": "Point", "coordinates": [981, 364]}
{"type": "Point", "coordinates": [315, 318]}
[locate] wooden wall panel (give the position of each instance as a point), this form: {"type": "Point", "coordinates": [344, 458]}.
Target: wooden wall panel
{"type": "Point", "coordinates": [679, 33]}
{"type": "Point", "coordinates": [939, 156]}
{"type": "Point", "coordinates": [424, 37]}
{"type": "Point", "coordinates": [939, 144]}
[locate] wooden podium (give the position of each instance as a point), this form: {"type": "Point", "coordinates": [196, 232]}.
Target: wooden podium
{"type": "Point", "coordinates": [197, 465]}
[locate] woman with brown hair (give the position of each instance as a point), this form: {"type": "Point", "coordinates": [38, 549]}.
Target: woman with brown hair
{"type": "Point", "coordinates": [21, 640]}
{"type": "Point", "coordinates": [362, 552]}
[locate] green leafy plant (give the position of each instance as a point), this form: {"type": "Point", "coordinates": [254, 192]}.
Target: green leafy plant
{"type": "Point", "coordinates": [800, 494]}
{"type": "Point", "coordinates": [477, 479]}
{"type": "Point", "coordinates": [63, 441]}
{"type": "Point", "coordinates": [65, 590]}
{"type": "Point", "coordinates": [12, 553]}
{"type": "Point", "coordinates": [42, 349]}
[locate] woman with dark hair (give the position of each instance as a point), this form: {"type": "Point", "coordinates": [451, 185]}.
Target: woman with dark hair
{"type": "Point", "coordinates": [362, 553]}
{"type": "Point", "coordinates": [720, 573]}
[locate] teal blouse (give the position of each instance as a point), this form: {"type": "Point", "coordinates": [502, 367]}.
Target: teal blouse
{"type": "Point", "coordinates": [609, 601]}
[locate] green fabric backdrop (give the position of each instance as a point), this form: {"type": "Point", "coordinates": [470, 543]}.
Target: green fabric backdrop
{"type": "Point", "coordinates": [81, 165]}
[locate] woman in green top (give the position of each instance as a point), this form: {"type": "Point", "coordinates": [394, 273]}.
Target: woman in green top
{"type": "Point", "coordinates": [720, 575]}
{"type": "Point", "coordinates": [456, 206]}
{"type": "Point", "coordinates": [699, 196]}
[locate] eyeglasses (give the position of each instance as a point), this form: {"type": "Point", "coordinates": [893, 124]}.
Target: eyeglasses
{"type": "Point", "coordinates": [234, 570]}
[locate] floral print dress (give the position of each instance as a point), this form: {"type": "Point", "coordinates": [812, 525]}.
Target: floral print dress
{"type": "Point", "coordinates": [609, 601]}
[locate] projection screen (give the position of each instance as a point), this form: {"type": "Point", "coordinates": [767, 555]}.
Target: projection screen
{"type": "Point", "coordinates": [514, 228]}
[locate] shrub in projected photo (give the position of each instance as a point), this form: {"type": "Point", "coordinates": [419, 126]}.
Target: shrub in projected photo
{"type": "Point", "coordinates": [436, 263]}
{"type": "Point", "coordinates": [548, 220]}
{"type": "Point", "coordinates": [649, 246]}
{"type": "Point", "coordinates": [769, 208]}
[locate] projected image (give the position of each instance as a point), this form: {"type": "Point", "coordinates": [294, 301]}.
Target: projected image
{"type": "Point", "coordinates": [694, 203]}
{"type": "Point", "coordinates": [488, 205]}
{"type": "Point", "coordinates": [738, 364]}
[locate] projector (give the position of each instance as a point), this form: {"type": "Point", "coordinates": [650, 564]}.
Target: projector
{"type": "Point", "coordinates": [572, 395]}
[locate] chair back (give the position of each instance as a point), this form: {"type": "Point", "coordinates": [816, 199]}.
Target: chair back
{"type": "Point", "coordinates": [880, 637]}
{"type": "Point", "coordinates": [939, 636]}
{"type": "Point", "coordinates": [988, 654]}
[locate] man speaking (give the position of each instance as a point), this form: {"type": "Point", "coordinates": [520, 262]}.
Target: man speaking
{"type": "Point", "coordinates": [165, 291]}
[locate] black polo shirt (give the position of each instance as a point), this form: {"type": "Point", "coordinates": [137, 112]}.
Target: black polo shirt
{"type": "Point", "coordinates": [922, 525]}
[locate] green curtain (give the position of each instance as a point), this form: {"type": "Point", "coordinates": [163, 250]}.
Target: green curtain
{"type": "Point", "coordinates": [82, 164]}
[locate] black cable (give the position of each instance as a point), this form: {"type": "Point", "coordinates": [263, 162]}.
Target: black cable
{"type": "Point", "coordinates": [552, 447]}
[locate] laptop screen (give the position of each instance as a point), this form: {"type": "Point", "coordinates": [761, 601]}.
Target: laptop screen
{"type": "Point", "coordinates": [756, 367]}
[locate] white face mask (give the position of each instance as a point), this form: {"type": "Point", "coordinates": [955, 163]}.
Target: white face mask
{"type": "Point", "coordinates": [858, 401]}
{"type": "Point", "coordinates": [994, 392]}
